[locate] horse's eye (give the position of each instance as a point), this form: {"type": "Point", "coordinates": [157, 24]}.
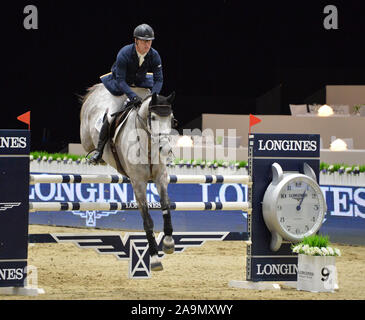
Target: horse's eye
{"type": "Point", "coordinates": [153, 118]}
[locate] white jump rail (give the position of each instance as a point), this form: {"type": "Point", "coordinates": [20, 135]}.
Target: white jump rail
{"type": "Point", "coordinates": [180, 179]}
{"type": "Point", "coordinates": [110, 206]}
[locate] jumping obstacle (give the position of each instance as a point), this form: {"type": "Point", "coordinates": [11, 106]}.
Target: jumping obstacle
{"type": "Point", "coordinates": [14, 161]}
{"type": "Point", "coordinates": [14, 205]}
{"type": "Point", "coordinates": [181, 179]}
{"type": "Point", "coordinates": [110, 206]}
{"type": "Point", "coordinates": [291, 151]}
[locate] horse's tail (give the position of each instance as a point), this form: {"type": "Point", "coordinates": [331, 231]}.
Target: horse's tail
{"type": "Point", "coordinates": [83, 98]}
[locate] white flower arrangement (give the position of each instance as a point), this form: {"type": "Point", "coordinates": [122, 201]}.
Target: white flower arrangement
{"type": "Point", "coordinates": [316, 245]}
{"type": "Point", "coordinates": [316, 251]}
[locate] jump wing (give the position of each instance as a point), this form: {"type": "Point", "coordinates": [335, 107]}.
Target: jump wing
{"type": "Point", "coordinates": [8, 205]}
{"type": "Point", "coordinates": [185, 240]}
{"type": "Point", "coordinates": [102, 243]}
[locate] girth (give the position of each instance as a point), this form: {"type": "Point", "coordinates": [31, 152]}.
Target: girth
{"type": "Point", "coordinates": [117, 120]}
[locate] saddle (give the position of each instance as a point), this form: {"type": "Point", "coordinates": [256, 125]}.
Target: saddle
{"type": "Point", "coordinates": [119, 117]}
{"type": "Point", "coordinates": [118, 120]}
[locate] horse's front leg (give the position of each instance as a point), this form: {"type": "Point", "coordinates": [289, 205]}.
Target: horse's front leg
{"type": "Point", "coordinates": [139, 189]}
{"type": "Point", "coordinates": [168, 241]}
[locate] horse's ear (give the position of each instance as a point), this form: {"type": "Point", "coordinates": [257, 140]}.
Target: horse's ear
{"type": "Point", "coordinates": [154, 99]}
{"type": "Point", "coordinates": [171, 97]}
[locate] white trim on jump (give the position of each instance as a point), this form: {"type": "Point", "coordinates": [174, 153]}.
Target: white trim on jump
{"type": "Point", "coordinates": [111, 206]}
{"type": "Point", "coordinates": [181, 179]}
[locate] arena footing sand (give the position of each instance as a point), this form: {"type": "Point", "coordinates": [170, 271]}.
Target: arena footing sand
{"type": "Point", "coordinates": [66, 272]}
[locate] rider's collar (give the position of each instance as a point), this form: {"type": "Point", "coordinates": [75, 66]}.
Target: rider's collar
{"type": "Point", "coordinates": [141, 55]}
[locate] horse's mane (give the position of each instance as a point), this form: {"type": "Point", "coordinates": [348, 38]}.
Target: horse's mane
{"type": "Point", "coordinates": [148, 96]}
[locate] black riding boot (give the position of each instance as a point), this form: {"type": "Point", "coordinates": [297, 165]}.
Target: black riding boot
{"type": "Point", "coordinates": [103, 138]}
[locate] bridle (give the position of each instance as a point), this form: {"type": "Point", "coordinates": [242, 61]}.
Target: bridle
{"type": "Point", "coordinates": [162, 110]}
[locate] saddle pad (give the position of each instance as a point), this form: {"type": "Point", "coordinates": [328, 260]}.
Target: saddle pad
{"type": "Point", "coordinates": [99, 123]}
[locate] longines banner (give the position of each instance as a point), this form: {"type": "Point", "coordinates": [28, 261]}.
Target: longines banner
{"type": "Point", "coordinates": [14, 164]}
{"type": "Point", "coordinates": [344, 221]}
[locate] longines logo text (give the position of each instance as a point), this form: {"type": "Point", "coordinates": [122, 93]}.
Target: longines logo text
{"type": "Point", "coordinates": [280, 269]}
{"type": "Point", "coordinates": [151, 205]}
{"type": "Point", "coordinates": [13, 142]}
{"type": "Point", "coordinates": [287, 145]}
{"type": "Point", "coordinates": [11, 274]}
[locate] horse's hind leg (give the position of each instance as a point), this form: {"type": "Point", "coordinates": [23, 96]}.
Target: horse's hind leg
{"type": "Point", "coordinates": [139, 189]}
{"type": "Point", "coordinates": [168, 244]}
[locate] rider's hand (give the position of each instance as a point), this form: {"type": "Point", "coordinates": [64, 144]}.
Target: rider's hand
{"type": "Point", "coordinates": [136, 101]}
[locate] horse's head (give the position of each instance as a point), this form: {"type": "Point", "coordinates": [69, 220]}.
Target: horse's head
{"type": "Point", "coordinates": [161, 120]}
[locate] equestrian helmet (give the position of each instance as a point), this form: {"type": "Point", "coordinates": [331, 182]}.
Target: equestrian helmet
{"type": "Point", "coordinates": [144, 32]}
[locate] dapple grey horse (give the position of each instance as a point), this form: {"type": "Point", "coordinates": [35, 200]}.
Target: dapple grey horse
{"type": "Point", "coordinates": [142, 145]}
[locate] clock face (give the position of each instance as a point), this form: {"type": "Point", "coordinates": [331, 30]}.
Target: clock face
{"type": "Point", "coordinates": [300, 207]}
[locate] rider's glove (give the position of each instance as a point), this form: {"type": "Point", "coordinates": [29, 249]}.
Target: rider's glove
{"type": "Point", "coordinates": [135, 101]}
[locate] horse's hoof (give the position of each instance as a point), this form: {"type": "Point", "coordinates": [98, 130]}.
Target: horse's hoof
{"type": "Point", "coordinates": [168, 245]}
{"type": "Point", "coordinates": [155, 263]}
{"type": "Point", "coordinates": [91, 161]}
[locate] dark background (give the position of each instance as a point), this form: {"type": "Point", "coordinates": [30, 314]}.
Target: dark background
{"type": "Point", "coordinates": [219, 56]}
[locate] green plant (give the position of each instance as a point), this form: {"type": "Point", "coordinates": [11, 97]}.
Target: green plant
{"type": "Point", "coordinates": [218, 140]}
{"type": "Point", "coordinates": [316, 245]}
{"type": "Point", "coordinates": [357, 108]}
{"type": "Point", "coordinates": [316, 241]}
{"type": "Point", "coordinates": [55, 156]}
{"type": "Point", "coordinates": [242, 164]}
{"type": "Point", "coordinates": [324, 167]}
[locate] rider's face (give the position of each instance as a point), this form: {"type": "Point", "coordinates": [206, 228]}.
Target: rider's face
{"type": "Point", "coordinates": [143, 46]}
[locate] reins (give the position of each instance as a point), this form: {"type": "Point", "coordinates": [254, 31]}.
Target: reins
{"type": "Point", "coordinates": [160, 110]}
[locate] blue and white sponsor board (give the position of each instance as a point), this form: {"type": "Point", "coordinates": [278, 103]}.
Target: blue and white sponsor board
{"type": "Point", "coordinates": [14, 204]}
{"type": "Point", "coordinates": [234, 221]}
{"type": "Point", "coordinates": [344, 221]}
{"type": "Point", "coordinates": [345, 217]}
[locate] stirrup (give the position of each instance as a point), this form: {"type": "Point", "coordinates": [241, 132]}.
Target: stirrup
{"type": "Point", "coordinates": [96, 158]}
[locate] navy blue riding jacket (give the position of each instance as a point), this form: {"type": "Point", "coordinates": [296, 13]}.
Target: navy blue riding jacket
{"type": "Point", "coordinates": [126, 72]}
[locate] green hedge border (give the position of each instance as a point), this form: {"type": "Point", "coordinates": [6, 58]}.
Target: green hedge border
{"type": "Point", "coordinates": [324, 167]}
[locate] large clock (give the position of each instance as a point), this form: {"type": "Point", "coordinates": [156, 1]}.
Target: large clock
{"type": "Point", "coordinates": [293, 206]}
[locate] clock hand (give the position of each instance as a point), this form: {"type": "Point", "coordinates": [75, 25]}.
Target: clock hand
{"type": "Point", "coordinates": [301, 201]}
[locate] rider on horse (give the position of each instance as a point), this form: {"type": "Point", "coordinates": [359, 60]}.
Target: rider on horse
{"type": "Point", "coordinates": [130, 69]}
